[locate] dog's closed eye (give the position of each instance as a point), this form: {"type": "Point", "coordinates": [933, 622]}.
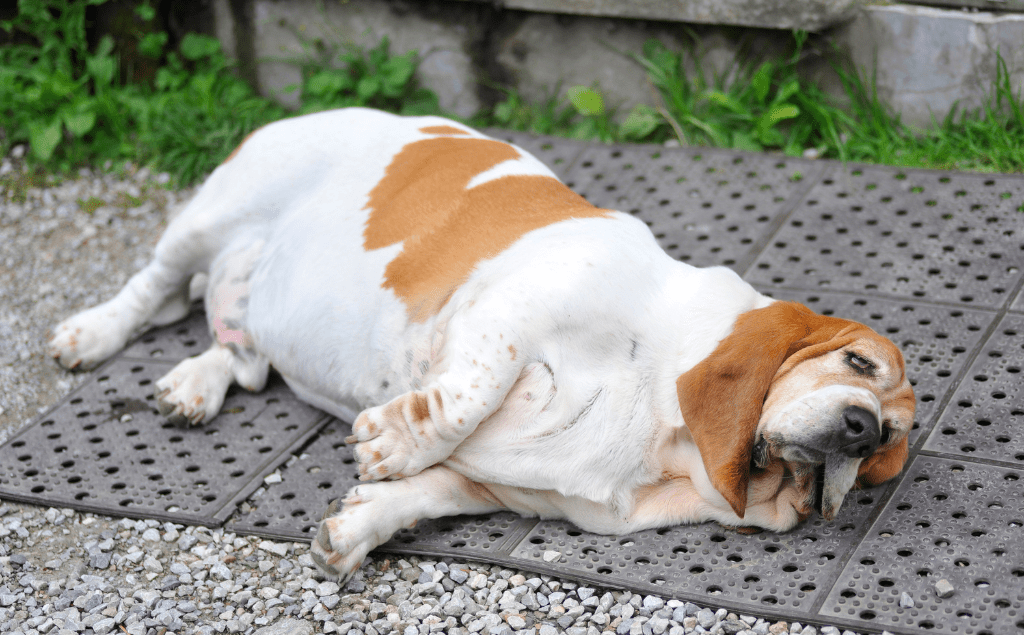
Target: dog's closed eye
{"type": "Point", "coordinates": [859, 363]}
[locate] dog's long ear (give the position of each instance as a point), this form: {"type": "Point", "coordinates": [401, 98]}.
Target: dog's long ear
{"type": "Point", "coordinates": [882, 466]}
{"type": "Point", "coordinates": [721, 397]}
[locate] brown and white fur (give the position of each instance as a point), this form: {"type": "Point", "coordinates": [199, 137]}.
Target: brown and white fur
{"type": "Point", "coordinates": [502, 344]}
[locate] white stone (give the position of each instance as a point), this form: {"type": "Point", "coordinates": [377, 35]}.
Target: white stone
{"type": "Point", "coordinates": [327, 588]}
{"type": "Point", "coordinates": [276, 548]}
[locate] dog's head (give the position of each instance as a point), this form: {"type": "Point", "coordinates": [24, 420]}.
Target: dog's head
{"type": "Point", "coordinates": [828, 398]}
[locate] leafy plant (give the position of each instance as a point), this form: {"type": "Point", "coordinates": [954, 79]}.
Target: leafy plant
{"type": "Point", "coordinates": [373, 78]}
{"type": "Point", "coordinates": [67, 102]}
{"type": "Point", "coordinates": [57, 95]}
{"type": "Point", "coordinates": [583, 117]}
{"type": "Point", "coordinates": [987, 139]}
{"type": "Point", "coordinates": [748, 108]}
{"type": "Point", "coordinates": [197, 111]}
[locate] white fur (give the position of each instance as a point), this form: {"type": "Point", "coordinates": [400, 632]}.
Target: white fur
{"type": "Point", "coordinates": [602, 322]}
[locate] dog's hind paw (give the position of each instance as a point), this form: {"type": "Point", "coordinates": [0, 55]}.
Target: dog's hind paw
{"type": "Point", "coordinates": [85, 339]}
{"type": "Point", "coordinates": [194, 390]}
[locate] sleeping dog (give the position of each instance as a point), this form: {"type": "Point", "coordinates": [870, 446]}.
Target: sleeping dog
{"type": "Point", "coordinates": [501, 343]}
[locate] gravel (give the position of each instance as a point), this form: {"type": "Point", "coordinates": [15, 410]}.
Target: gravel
{"type": "Point", "coordinates": [65, 246]}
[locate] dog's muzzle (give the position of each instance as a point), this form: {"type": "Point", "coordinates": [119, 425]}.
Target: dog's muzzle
{"type": "Point", "coordinates": [860, 434]}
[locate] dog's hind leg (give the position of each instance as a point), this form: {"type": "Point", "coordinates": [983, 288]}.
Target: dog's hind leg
{"type": "Point", "coordinates": [85, 339]}
{"type": "Point", "coordinates": [371, 513]}
{"type": "Point", "coordinates": [158, 294]}
{"type": "Point", "coordinates": [194, 390]}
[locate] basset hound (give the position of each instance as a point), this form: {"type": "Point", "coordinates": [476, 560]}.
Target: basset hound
{"type": "Point", "coordinates": [500, 343]}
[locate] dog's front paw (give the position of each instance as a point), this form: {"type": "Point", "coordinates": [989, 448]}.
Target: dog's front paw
{"type": "Point", "coordinates": [381, 449]}
{"type": "Point", "coordinates": [193, 391]}
{"type": "Point", "coordinates": [350, 529]}
{"type": "Point", "coordinates": [398, 439]}
{"type": "Point", "coordinates": [86, 339]}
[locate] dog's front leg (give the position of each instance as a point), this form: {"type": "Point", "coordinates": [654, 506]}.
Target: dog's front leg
{"type": "Point", "coordinates": [372, 512]}
{"type": "Point", "coordinates": [421, 428]}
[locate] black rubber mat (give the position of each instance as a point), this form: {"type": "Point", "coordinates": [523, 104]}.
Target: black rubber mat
{"type": "Point", "coordinates": [106, 449]}
{"type": "Point", "coordinates": [929, 235]}
{"type": "Point", "coordinates": [985, 417]}
{"type": "Point", "coordinates": [950, 520]}
{"type": "Point", "coordinates": [930, 259]}
{"type": "Point", "coordinates": [704, 206]}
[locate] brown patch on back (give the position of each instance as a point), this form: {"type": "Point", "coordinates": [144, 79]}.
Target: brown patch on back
{"type": "Point", "coordinates": [512, 350]}
{"type": "Point", "coordinates": [721, 397]}
{"type": "Point", "coordinates": [239, 146]}
{"type": "Point", "coordinates": [443, 130]}
{"type": "Point", "coordinates": [422, 201]}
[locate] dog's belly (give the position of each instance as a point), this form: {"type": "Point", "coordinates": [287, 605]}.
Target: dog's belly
{"type": "Point", "coordinates": [323, 319]}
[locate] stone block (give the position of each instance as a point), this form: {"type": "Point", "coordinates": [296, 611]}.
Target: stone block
{"type": "Point", "coordinates": [925, 60]}
{"type": "Point", "coordinates": [443, 33]}
{"type": "Point", "coordinates": [809, 15]}
{"type": "Point", "coordinates": [540, 53]}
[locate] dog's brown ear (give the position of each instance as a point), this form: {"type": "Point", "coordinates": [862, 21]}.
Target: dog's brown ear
{"type": "Point", "coordinates": [882, 466]}
{"type": "Point", "coordinates": [721, 397]}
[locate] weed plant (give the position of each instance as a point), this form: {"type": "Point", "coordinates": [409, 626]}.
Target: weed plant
{"type": "Point", "coordinates": [67, 101]}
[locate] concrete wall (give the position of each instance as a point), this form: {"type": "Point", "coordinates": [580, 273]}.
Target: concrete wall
{"type": "Point", "coordinates": [926, 58]}
{"type": "Point", "coordinates": [929, 59]}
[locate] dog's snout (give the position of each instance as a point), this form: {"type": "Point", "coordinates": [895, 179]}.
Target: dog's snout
{"type": "Point", "coordinates": [860, 435]}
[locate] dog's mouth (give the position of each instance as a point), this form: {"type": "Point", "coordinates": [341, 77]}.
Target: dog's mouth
{"type": "Point", "coordinates": [833, 480]}
{"type": "Point", "coordinates": [826, 477]}
{"type": "Point", "coordinates": [818, 496]}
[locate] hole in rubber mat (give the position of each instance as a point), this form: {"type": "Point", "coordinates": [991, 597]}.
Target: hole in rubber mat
{"type": "Point", "coordinates": [107, 448]}
{"type": "Point", "coordinates": [985, 417]}
{"type": "Point", "coordinates": [949, 520]}
{"type": "Point", "coordinates": [940, 237]}
{"type": "Point", "coordinates": [174, 342]}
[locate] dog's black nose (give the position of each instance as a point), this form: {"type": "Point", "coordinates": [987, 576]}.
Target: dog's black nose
{"type": "Point", "coordinates": [860, 434]}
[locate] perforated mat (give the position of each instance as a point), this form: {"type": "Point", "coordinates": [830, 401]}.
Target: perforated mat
{"type": "Point", "coordinates": [930, 259]}
{"type": "Point", "coordinates": [106, 448]}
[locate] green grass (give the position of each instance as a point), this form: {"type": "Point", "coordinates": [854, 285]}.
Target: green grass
{"type": "Point", "coordinates": [72, 106]}
{"type": "Point", "coordinates": [990, 139]}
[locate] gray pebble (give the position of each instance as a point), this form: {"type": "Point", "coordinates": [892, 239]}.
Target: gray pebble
{"type": "Point", "coordinates": [944, 589]}
{"type": "Point", "coordinates": [97, 561]}
{"type": "Point", "coordinates": [706, 618]}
